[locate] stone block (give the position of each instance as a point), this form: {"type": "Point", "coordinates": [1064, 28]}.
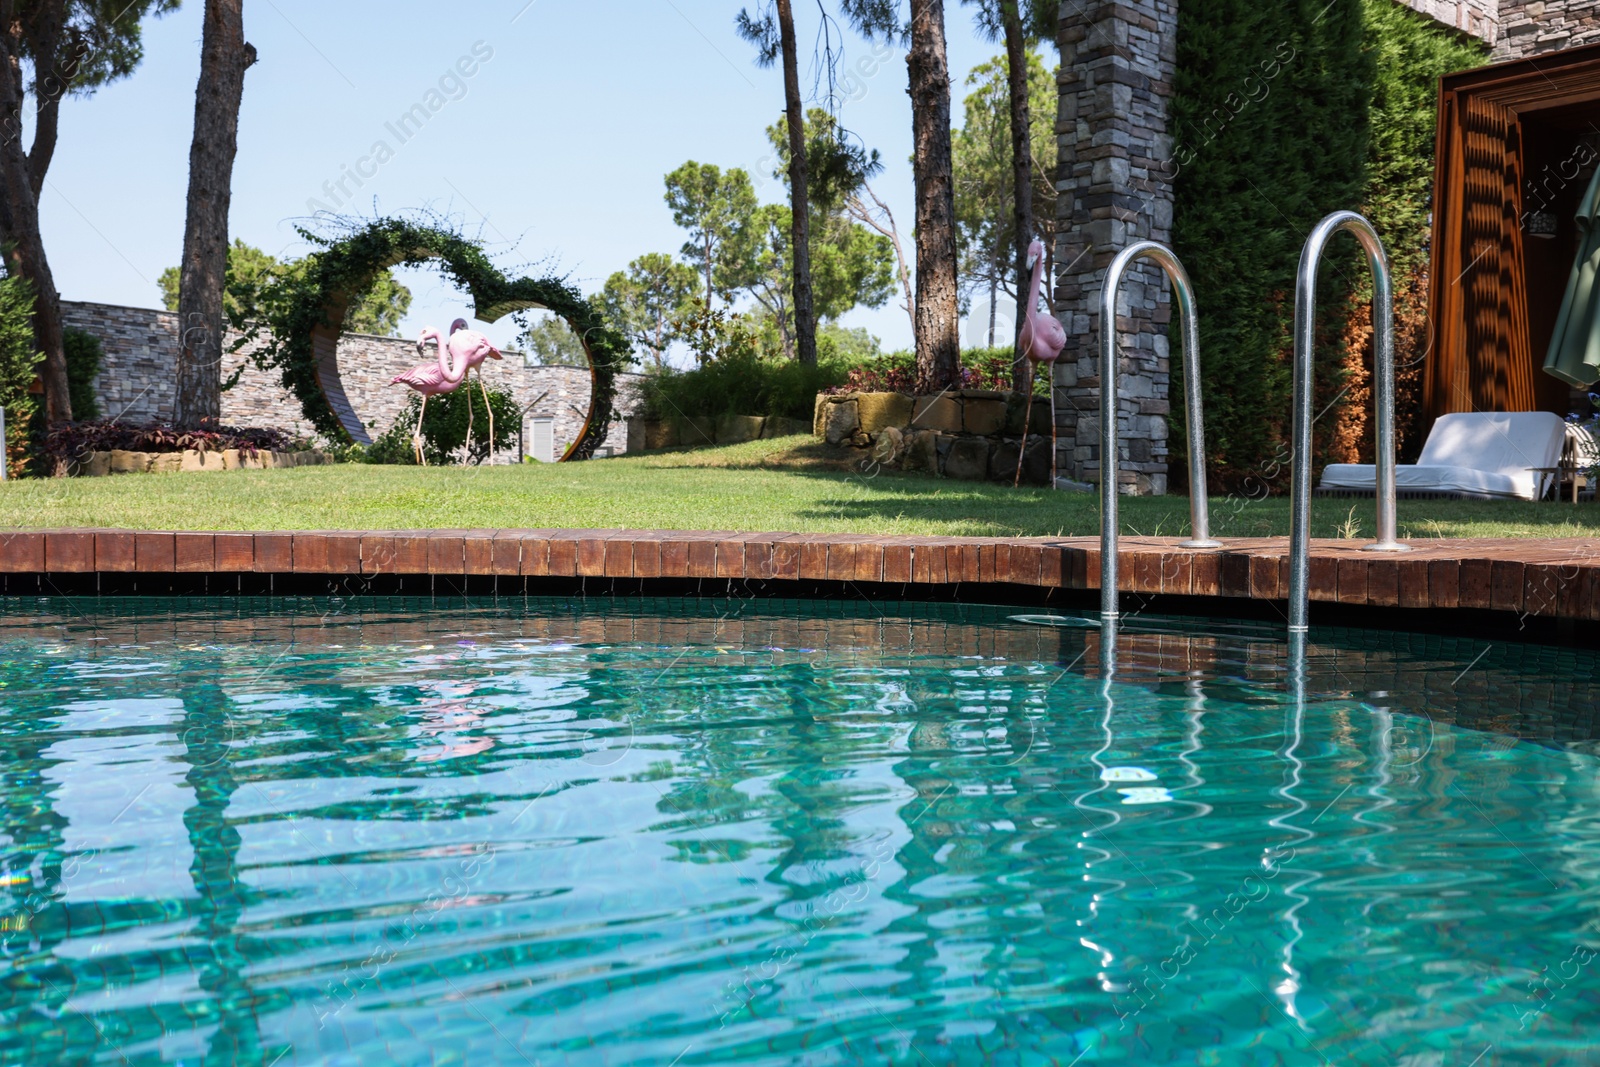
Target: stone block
{"type": "Point", "coordinates": [968, 459]}
{"type": "Point", "coordinates": [879, 410]}
{"type": "Point", "coordinates": [942, 413]}
{"type": "Point", "coordinates": [659, 433]}
{"type": "Point", "coordinates": [252, 462]}
{"type": "Point", "coordinates": [636, 436]}
{"type": "Point", "coordinates": [231, 460]}
{"type": "Point", "coordinates": [1003, 460]}
{"type": "Point", "coordinates": [984, 417]}
{"type": "Point", "coordinates": [920, 452]}
{"type": "Point", "coordinates": [841, 419]}
{"type": "Point", "coordinates": [306, 458]}
{"type": "Point", "coordinates": [98, 465]}
{"type": "Point", "coordinates": [733, 429]}
{"type": "Point", "coordinates": [1039, 422]}
{"type": "Point", "coordinates": [126, 462]}
{"type": "Point", "coordinates": [167, 462]}
{"type": "Point", "coordinates": [778, 426]}
{"type": "Point", "coordinates": [696, 431]}
{"type": "Point", "coordinates": [190, 460]}
{"type": "Point", "coordinates": [888, 445]}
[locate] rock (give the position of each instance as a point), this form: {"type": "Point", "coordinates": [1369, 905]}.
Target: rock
{"type": "Point", "coordinates": [840, 420]}
{"type": "Point", "coordinates": [1003, 461]}
{"type": "Point", "coordinates": [888, 445]}
{"type": "Point", "coordinates": [98, 465]}
{"type": "Point", "coordinates": [212, 461]}
{"type": "Point", "coordinates": [658, 433]}
{"type": "Point", "coordinates": [968, 459]}
{"type": "Point", "coordinates": [877, 411]}
{"type": "Point", "coordinates": [921, 452]}
{"type": "Point", "coordinates": [1036, 462]}
{"type": "Point", "coordinates": [936, 413]}
{"type": "Point", "coordinates": [1039, 421]}
{"type": "Point", "coordinates": [1067, 485]}
{"type": "Point", "coordinates": [167, 462]}
{"type": "Point", "coordinates": [983, 416]}
{"type": "Point", "coordinates": [861, 439]}
{"type": "Point", "coordinates": [1016, 414]}
{"type": "Point", "coordinates": [696, 431]}
{"type": "Point", "coordinates": [231, 460]}
{"type": "Point", "coordinates": [307, 458]}
{"type": "Point", "coordinates": [125, 462]}
{"type": "Point", "coordinates": [819, 418]}
{"type": "Point", "coordinates": [190, 460]}
{"type": "Point", "coordinates": [777, 426]}
{"type": "Point", "coordinates": [982, 394]}
{"type": "Point", "coordinates": [732, 429]}
{"type": "Point", "coordinates": [251, 462]}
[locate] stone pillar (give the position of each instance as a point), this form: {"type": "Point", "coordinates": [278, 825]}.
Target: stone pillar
{"type": "Point", "coordinates": [1532, 27]}
{"type": "Point", "coordinates": [1115, 187]}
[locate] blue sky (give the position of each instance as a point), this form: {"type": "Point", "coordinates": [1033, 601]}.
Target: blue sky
{"type": "Point", "coordinates": [553, 149]}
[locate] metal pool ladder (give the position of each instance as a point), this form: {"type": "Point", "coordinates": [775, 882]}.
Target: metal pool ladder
{"type": "Point", "coordinates": [1305, 327]}
{"type": "Point", "coordinates": [1199, 515]}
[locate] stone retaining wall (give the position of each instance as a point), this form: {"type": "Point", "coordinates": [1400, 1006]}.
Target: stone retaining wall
{"type": "Point", "coordinates": [137, 381]}
{"type": "Point", "coordinates": [648, 435]}
{"type": "Point", "coordinates": [1531, 27]}
{"type": "Point", "coordinates": [970, 434]}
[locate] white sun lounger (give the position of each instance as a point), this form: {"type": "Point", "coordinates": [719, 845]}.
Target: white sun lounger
{"type": "Point", "coordinates": [1476, 455]}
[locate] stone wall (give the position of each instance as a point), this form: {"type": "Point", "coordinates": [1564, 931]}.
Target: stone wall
{"type": "Point", "coordinates": [1115, 186]}
{"type": "Point", "coordinates": [137, 382]}
{"type": "Point", "coordinates": [1480, 18]}
{"type": "Point", "coordinates": [968, 434]}
{"type": "Point", "coordinates": [1530, 27]}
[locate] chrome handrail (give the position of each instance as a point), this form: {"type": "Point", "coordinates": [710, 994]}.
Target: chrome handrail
{"type": "Point", "coordinates": [1305, 329]}
{"type": "Point", "coordinates": [1199, 515]}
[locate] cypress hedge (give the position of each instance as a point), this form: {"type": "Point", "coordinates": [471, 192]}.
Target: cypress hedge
{"type": "Point", "coordinates": [1283, 113]}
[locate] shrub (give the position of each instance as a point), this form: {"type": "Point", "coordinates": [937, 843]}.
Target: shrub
{"type": "Point", "coordinates": [74, 442]}
{"type": "Point", "coordinates": [444, 427]}
{"type": "Point", "coordinates": [740, 382]}
{"type": "Point", "coordinates": [19, 360]}
{"type": "Point", "coordinates": [84, 356]}
{"type": "Point", "coordinates": [896, 372]}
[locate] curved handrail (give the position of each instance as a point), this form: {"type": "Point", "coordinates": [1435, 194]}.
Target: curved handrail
{"type": "Point", "coordinates": [1199, 514]}
{"type": "Point", "coordinates": [1305, 329]}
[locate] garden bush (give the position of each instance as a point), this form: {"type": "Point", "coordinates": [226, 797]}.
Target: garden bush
{"type": "Point", "coordinates": [896, 372]}
{"type": "Point", "coordinates": [444, 428]}
{"type": "Point", "coordinates": [84, 356]}
{"type": "Point", "coordinates": [74, 442]}
{"type": "Point", "coordinates": [741, 382]}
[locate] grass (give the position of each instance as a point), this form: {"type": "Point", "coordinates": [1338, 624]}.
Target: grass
{"type": "Point", "coordinates": [788, 484]}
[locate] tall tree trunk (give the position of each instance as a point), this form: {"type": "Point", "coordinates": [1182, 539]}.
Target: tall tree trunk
{"type": "Point", "coordinates": [994, 298]}
{"type": "Point", "coordinates": [224, 57]}
{"type": "Point", "coordinates": [805, 319]}
{"type": "Point", "coordinates": [937, 318]}
{"type": "Point", "coordinates": [1022, 172]}
{"type": "Point", "coordinates": [25, 254]}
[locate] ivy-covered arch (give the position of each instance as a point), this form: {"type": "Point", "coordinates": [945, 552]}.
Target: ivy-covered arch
{"type": "Point", "coordinates": [306, 313]}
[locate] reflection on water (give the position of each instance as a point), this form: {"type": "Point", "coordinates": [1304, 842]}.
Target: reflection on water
{"type": "Point", "coordinates": [769, 833]}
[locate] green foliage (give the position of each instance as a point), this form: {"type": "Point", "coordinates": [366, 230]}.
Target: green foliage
{"type": "Point", "coordinates": [984, 180]}
{"type": "Point", "coordinates": [1270, 122]}
{"type": "Point", "coordinates": [741, 382]}
{"type": "Point", "coordinates": [445, 426]}
{"type": "Point", "coordinates": [549, 342]}
{"type": "Point", "coordinates": [848, 345]}
{"type": "Point", "coordinates": [850, 265]}
{"type": "Point", "coordinates": [84, 356]}
{"type": "Point", "coordinates": [646, 302]}
{"type": "Point", "coordinates": [296, 303]}
{"type": "Point", "coordinates": [18, 362]}
{"type": "Point", "coordinates": [715, 208]}
{"type": "Point", "coordinates": [252, 273]}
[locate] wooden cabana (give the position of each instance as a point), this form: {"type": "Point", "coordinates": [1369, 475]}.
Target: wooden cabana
{"type": "Point", "coordinates": [1516, 146]}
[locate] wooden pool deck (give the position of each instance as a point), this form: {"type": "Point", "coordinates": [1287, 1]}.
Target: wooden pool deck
{"type": "Point", "coordinates": [1548, 579]}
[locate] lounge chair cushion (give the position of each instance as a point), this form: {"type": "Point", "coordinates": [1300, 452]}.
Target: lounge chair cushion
{"type": "Point", "coordinates": [1474, 453]}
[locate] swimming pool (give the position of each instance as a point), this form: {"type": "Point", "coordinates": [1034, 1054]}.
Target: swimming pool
{"type": "Point", "coordinates": [773, 832]}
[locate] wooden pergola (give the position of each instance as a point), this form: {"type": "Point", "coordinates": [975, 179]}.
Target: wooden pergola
{"type": "Point", "coordinates": [1515, 140]}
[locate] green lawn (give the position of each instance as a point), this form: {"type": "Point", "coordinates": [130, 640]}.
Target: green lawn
{"type": "Point", "coordinates": [790, 484]}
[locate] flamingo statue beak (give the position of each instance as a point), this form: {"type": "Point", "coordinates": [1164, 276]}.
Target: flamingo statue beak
{"type": "Point", "coordinates": [1033, 257]}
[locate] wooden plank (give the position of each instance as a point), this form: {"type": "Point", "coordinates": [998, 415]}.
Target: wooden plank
{"type": "Point", "coordinates": [1383, 582]}
{"type": "Point", "coordinates": [1352, 580]}
{"type": "Point", "coordinates": [1506, 587]}
{"type": "Point", "coordinates": [113, 551]}
{"type": "Point", "coordinates": [1475, 579]}
{"type": "Point", "coordinates": [274, 553]}
{"type": "Point", "coordinates": [155, 553]}
{"type": "Point", "coordinates": [236, 552]}
{"type": "Point", "coordinates": [194, 553]}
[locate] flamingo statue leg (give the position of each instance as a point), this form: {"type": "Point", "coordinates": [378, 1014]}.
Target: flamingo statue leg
{"type": "Point", "coordinates": [416, 435]}
{"type": "Point", "coordinates": [490, 410]}
{"type": "Point", "coordinates": [1027, 417]}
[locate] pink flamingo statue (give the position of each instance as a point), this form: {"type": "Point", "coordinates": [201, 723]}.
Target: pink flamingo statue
{"type": "Point", "coordinates": [428, 379]}
{"type": "Point", "coordinates": [468, 349]}
{"type": "Point", "coordinates": [1041, 339]}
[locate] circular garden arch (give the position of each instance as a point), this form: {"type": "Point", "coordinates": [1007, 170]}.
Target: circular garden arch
{"type": "Point", "coordinates": [308, 311]}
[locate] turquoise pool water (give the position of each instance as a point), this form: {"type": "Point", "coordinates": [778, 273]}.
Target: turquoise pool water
{"type": "Point", "coordinates": [769, 833]}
